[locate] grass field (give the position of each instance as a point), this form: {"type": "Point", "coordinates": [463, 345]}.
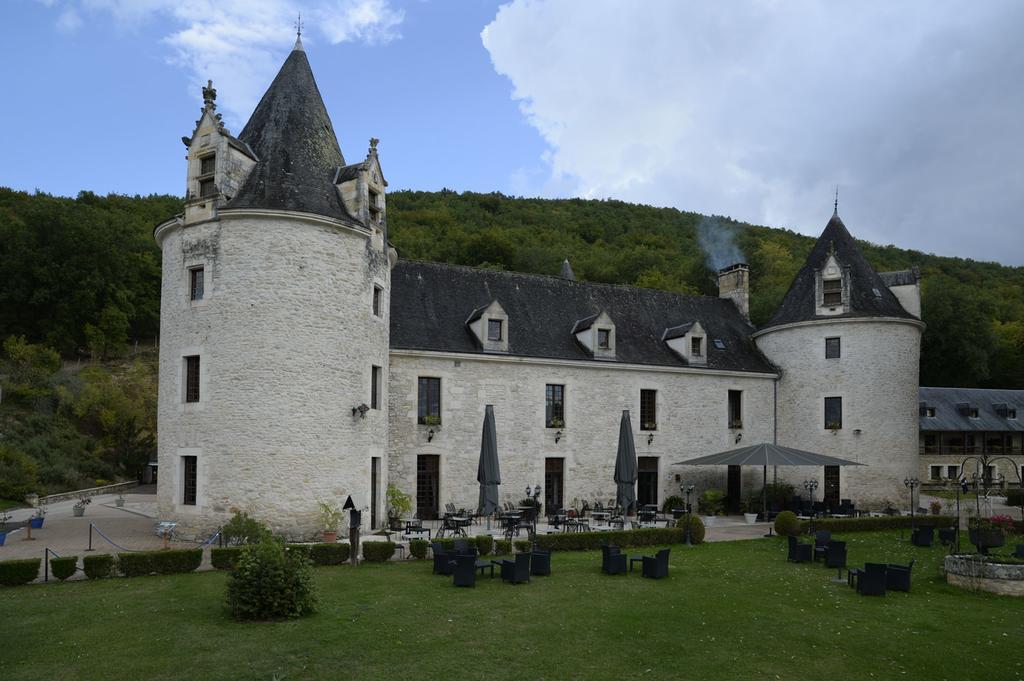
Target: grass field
{"type": "Point", "coordinates": [733, 610]}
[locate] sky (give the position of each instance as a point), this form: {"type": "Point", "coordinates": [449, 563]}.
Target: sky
{"type": "Point", "coordinates": [754, 109]}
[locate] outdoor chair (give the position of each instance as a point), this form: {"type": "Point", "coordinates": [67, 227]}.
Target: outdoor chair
{"type": "Point", "coordinates": [465, 571]}
{"type": "Point", "coordinates": [515, 571]}
{"type": "Point", "coordinates": [846, 507]}
{"type": "Point", "coordinates": [835, 557]}
{"type": "Point", "coordinates": [540, 562]}
{"type": "Point", "coordinates": [462, 548]}
{"type": "Point", "coordinates": [799, 552]}
{"type": "Point", "coordinates": [821, 541]}
{"type": "Point", "coordinates": [656, 566]}
{"type": "Point", "coordinates": [923, 535]}
{"type": "Point", "coordinates": [871, 580]}
{"type": "Point", "coordinates": [613, 561]}
{"type": "Point", "coordinates": [897, 577]}
{"type": "Point", "coordinates": [443, 559]}
{"type": "Point", "coordinates": [947, 535]}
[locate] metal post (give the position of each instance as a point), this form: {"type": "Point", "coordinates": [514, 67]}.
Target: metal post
{"type": "Point", "coordinates": [46, 565]}
{"type": "Point", "coordinates": [90, 538]}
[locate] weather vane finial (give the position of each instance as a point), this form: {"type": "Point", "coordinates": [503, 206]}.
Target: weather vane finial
{"type": "Point", "coordinates": [835, 205]}
{"type": "Point", "coordinates": [298, 26]}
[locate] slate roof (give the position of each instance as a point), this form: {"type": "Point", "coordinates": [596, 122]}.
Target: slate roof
{"type": "Point", "coordinates": [431, 301]}
{"type": "Point", "coordinates": [800, 304]}
{"type": "Point", "coordinates": [949, 418]}
{"type": "Point", "coordinates": [901, 277]}
{"type": "Point", "coordinates": [292, 136]}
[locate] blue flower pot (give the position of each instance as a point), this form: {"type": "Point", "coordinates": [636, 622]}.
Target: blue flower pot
{"type": "Point", "coordinates": [3, 538]}
{"type": "Point", "coordinates": [37, 523]}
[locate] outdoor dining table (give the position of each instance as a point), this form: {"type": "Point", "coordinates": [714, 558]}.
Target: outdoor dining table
{"type": "Point", "coordinates": [454, 524]}
{"type": "Point", "coordinates": [600, 515]}
{"type": "Point", "coordinates": [482, 565]}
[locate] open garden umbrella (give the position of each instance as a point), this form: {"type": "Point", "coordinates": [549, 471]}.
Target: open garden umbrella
{"type": "Point", "coordinates": [625, 466]}
{"type": "Point", "coordinates": [765, 455]}
{"type": "Point", "coordinates": [487, 473]}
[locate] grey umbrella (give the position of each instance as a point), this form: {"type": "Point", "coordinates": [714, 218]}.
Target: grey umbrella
{"type": "Point", "coordinates": [765, 455]}
{"type": "Point", "coordinates": [487, 473]}
{"type": "Point", "coordinates": [625, 466]}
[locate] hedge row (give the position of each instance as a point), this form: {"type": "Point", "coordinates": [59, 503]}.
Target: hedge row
{"type": "Point", "coordinates": [592, 541]}
{"type": "Point", "coordinates": [98, 566]}
{"type": "Point", "coordinates": [869, 524]}
{"type": "Point", "coordinates": [378, 551]}
{"type": "Point", "coordinates": [502, 547]}
{"type": "Point", "coordinates": [160, 562]}
{"type": "Point", "coordinates": [418, 548]}
{"type": "Point", "coordinates": [484, 544]}
{"type": "Point", "coordinates": [333, 553]}
{"type": "Point", "coordinates": [16, 572]}
{"type": "Point", "coordinates": [63, 568]}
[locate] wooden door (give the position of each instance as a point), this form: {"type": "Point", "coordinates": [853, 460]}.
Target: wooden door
{"type": "Point", "coordinates": [428, 485]}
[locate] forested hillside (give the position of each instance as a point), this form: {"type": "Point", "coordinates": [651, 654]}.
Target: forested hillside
{"type": "Point", "coordinates": [81, 277]}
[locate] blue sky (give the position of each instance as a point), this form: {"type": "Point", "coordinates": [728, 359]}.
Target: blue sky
{"type": "Point", "coordinates": [752, 108]}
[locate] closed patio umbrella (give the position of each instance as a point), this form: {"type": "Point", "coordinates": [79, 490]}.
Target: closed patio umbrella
{"type": "Point", "coordinates": [625, 466]}
{"type": "Point", "coordinates": [487, 473]}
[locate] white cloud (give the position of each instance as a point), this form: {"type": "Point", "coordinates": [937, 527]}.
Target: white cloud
{"type": "Point", "coordinates": [757, 109]}
{"type": "Point", "coordinates": [239, 43]}
{"type": "Point", "coordinates": [69, 21]}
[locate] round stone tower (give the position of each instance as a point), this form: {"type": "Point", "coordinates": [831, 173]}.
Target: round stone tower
{"type": "Point", "coordinates": [274, 321]}
{"type": "Point", "coordinates": [848, 354]}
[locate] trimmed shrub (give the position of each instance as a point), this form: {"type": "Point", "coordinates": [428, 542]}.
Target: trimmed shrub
{"type": "Point", "coordinates": [378, 551]}
{"type": "Point", "coordinates": [15, 572]}
{"type": "Point", "coordinates": [484, 544]}
{"type": "Point", "coordinates": [711, 502]}
{"type": "Point", "coordinates": [418, 548]}
{"type": "Point", "coordinates": [270, 582]}
{"type": "Point", "coordinates": [870, 524]}
{"type": "Point", "coordinates": [98, 567]}
{"type": "Point", "coordinates": [224, 558]}
{"type": "Point", "coordinates": [169, 562]}
{"type": "Point", "coordinates": [242, 529]}
{"type": "Point", "coordinates": [673, 502]}
{"type": "Point", "coordinates": [592, 541]}
{"type": "Point", "coordinates": [304, 550]}
{"type": "Point", "coordinates": [787, 524]}
{"type": "Point", "coordinates": [522, 545]}
{"type": "Point", "coordinates": [502, 547]}
{"type": "Point", "coordinates": [63, 568]}
{"type": "Point", "coordinates": [329, 554]}
{"type": "Point", "coordinates": [696, 528]}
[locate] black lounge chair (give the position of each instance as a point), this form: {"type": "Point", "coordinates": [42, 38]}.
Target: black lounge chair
{"type": "Point", "coordinates": [947, 535]}
{"type": "Point", "coordinates": [821, 541]}
{"type": "Point", "coordinates": [871, 580]}
{"type": "Point", "coordinates": [613, 561]}
{"type": "Point", "coordinates": [897, 577]}
{"type": "Point", "coordinates": [540, 563]}
{"type": "Point", "coordinates": [835, 557]}
{"type": "Point", "coordinates": [799, 552]}
{"type": "Point", "coordinates": [444, 560]}
{"type": "Point", "coordinates": [465, 571]}
{"type": "Point", "coordinates": [463, 548]}
{"type": "Point", "coordinates": [656, 566]}
{"type": "Point", "coordinates": [923, 535]}
{"type": "Point", "coordinates": [515, 571]}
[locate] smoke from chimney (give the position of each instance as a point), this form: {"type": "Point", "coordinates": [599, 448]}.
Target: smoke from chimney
{"type": "Point", "coordinates": [718, 243]}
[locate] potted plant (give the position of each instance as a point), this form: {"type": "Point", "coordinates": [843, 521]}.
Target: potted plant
{"type": "Point", "coordinates": [711, 504]}
{"type": "Point", "coordinates": [330, 519]}
{"type": "Point", "coordinates": [79, 508]}
{"type": "Point", "coordinates": [399, 504]}
{"type": "Point", "coordinates": [834, 426]}
{"type": "Point", "coordinates": [935, 506]}
{"type": "Point", "coordinates": [649, 425]}
{"type": "Point", "coordinates": [37, 520]}
{"type": "Point", "coordinates": [4, 519]}
{"type": "Point", "coordinates": [986, 534]}
{"type": "Point", "coordinates": [432, 421]}
{"type": "Point", "coordinates": [120, 500]}
{"type": "Point", "coordinates": [556, 423]}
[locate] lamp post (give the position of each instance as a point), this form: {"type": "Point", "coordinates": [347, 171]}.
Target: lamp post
{"type": "Point", "coordinates": [687, 489]}
{"type": "Point", "coordinates": [811, 485]}
{"type": "Point", "coordinates": [911, 484]}
{"type": "Point", "coordinates": [534, 494]}
{"type": "Point", "coordinates": [962, 487]}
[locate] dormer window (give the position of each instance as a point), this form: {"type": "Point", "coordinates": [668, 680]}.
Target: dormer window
{"type": "Point", "coordinates": [208, 164]}
{"type": "Point", "coordinates": [832, 290]}
{"type": "Point", "coordinates": [972, 412]}
{"type": "Point", "coordinates": [604, 338]}
{"type": "Point", "coordinates": [489, 324]}
{"type": "Point", "coordinates": [207, 188]}
{"type": "Point", "coordinates": [688, 342]}
{"type": "Point", "coordinates": [596, 334]}
{"type": "Point", "coordinates": [494, 329]}
{"type": "Point", "coordinates": [373, 201]}
{"type": "Point", "coordinates": [697, 347]}
{"type": "Point", "coordinates": [929, 412]}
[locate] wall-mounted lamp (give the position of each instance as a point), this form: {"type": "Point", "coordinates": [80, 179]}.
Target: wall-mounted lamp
{"type": "Point", "coordinates": [558, 436]}
{"type": "Point", "coordinates": [361, 410]}
{"type": "Point", "coordinates": [857, 431]}
{"type": "Point", "coordinates": [430, 435]}
{"type": "Point", "coordinates": [739, 436]}
{"type": "Point", "coordinates": [650, 439]}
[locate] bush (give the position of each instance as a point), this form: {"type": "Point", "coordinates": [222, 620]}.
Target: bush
{"type": "Point", "coordinates": [592, 541]}
{"type": "Point", "coordinates": [98, 567]}
{"type": "Point", "coordinates": [63, 568]}
{"type": "Point", "coordinates": [418, 548]}
{"type": "Point", "coordinates": [378, 551]}
{"type": "Point", "coordinates": [484, 544]}
{"type": "Point", "coordinates": [17, 474]}
{"type": "Point", "coordinates": [711, 502]}
{"type": "Point", "coordinates": [787, 524]}
{"type": "Point", "coordinates": [15, 572]}
{"type": "Point", "coordinates": [270, 582]}
{"type": "Point", "coordinates": [502, 547]}
{"type": "Point", "coordinates": [522, 545]}
{"type": "Point", "coordinates": [242, 529]}
{"type": "Point", "coordinates": [174, 561]}
{"type": "Point", "coordinates": [329, 554]}
{"type": "Point", "coordinates": [673, 502]}
{"type": "Point", "coordinates": [871, 524]}
{"type": "Point", "coordinates": [696, 528]}
{"type": "Point", "coordinates": [224, 558]}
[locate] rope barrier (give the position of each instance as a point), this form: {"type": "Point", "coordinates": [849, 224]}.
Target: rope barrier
{"type": "Point", "coordinates": [210, 540]}
{"type": "Point", "coordinates": [206, 543]}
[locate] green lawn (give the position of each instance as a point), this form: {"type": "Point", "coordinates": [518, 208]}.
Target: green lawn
{"type": "Point", "coordinates": [732, 610]}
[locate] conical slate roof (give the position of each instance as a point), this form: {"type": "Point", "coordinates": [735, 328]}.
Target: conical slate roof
{"type": "Point", "coordinates": [868, 295]}
{"type": "Point", "coordinates": [298, 152]}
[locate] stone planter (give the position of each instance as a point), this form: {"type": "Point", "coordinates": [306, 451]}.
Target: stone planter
{"type": "Point", "coordinates": [78, 511]}
{"type": "Point", "coordinates": [709, 520]}
{"type": "Point", "coordinates": [120, 502]}
{"type": "Point", "coordinates": [751, 518]}
{"type": "Point", "coordinates": [977, 574]}
{"type": "Point", "coordinates": [986, 538]}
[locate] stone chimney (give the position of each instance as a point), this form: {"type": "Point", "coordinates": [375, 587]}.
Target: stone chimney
{"type": "Point", "coordinates": [734, 284]}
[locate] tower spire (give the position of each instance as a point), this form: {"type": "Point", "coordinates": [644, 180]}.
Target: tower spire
{"type": "Point", "coordinates": [835, 205]}
{"type": "Point", "coordinates": [298, 34]}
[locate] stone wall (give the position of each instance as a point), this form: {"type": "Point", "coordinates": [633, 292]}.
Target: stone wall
{"type": "Point", "coordinates": [692, 420]}
{"type": "Point", "coordinates": [877, 377]}
{"type": "Point", "coordinates": [287, 338]}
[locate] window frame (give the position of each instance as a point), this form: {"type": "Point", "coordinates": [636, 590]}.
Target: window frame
{"type": "Point", "coordinates": [375, 304]}
{"type": "Point", "coordinates": [189, 480]}
{"type": "Point", "coordinates": [428, 405]}
{"type": "Point", "coordinates": [648, 409]}
{"type": "Point", "coordinates": [554, 405]}
{"type": "Point", "coordinates": [697, 346]}
{"type": "Point", "coordinates": [375, 385]}
{"type": "Point", "coordinates": [192, 379]}
{"type": "Point", "coordinates": [935, 472]}
{"type": "Point", "coordinates": [192, 272]}
{"type": "Point", "coordinates": [204, 185]}
{"type": "Point", "coordinates": [203, 171]}
{"type": "Point", "coordinates": [493, 324]}
{"type": "Point", "coordinates": [604, 339]}
{"type": "Point", "coordinates": [833, 347]}
{"type": "Point", "coordinates": [831, 287]}
{"type": "Point", "coordinates": [735, 399]}
{"type": "Point", "coordinates": [837, 402]}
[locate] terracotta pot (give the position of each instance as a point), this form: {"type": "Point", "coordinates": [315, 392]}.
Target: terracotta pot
{"type": "Point", "coordinates": [330, 537]}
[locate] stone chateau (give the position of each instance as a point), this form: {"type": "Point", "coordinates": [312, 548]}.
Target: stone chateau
{"type": "Point", "coordinates": [302, 360]}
